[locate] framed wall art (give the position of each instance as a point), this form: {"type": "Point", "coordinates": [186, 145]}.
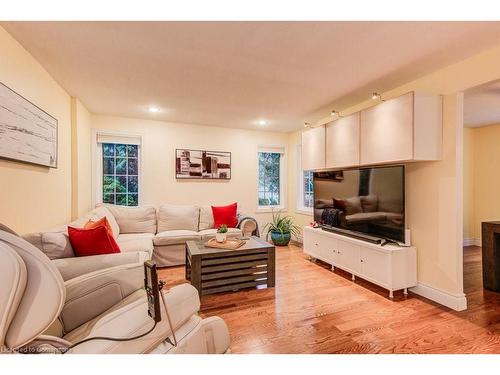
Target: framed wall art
{"type": "Point", "coordinates": [27, 133]}
{"type": "Point", "coordinates": [201, 164]}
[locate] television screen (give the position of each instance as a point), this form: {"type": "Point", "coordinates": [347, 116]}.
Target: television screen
{"type": "Point", "coordinates": [366, 200]}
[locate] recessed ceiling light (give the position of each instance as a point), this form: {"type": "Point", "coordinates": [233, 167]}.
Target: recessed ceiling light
{"type": "Point", "coordinates": [262, 122]}
{"type": "Point", "coordinates": [153, 109]}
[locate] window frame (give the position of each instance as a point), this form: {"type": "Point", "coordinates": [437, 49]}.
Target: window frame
{"type": "Point", "coordinates": [97, 162]}
{"type": "Point", "coordinates": [300, 207]}
{"type": "Point", "coordinates": [282, 178]}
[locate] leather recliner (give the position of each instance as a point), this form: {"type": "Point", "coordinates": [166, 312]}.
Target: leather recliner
{"type": "Point", "coordinates": [36, 315]}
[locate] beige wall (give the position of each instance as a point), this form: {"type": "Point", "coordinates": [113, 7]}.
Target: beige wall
{"type": "Point", "coordinates": [301, 218]}
{"type": "Point", "coordinates": [35, 197]}
{"type": "Point", "coordinates": [483, 179]}
{"type": "Point", "coordinates": [160, 139]}
{"type": "Point", "coordinates": [81, 158]}
{"type": "Point", "coordinates": [468, 158]}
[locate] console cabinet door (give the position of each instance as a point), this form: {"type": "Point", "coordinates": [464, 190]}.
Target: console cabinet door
{"type": "Point", "coordinates": [375, 265]}
{"type": "Point", "coordinates": [387, 131]}
{"type": "Point", "coordinates": [348, 256]}
{"type": "Point", "coordinates": [312, 244]}
{"type": "Point", "coordinates": [313, 149]}
{"type": "Point", "coordinates": [342, 142]}
{"type": "Point", "coordinates": [330, 249]}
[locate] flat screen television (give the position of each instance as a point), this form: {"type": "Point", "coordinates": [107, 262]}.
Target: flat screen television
{"type": "Point", "coordinates": [366, 200]}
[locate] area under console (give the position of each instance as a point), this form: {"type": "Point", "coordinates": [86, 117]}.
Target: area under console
{"type": "Point", "coordinates": [391, 267]}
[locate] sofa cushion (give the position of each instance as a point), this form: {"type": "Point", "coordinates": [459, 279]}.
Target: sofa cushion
{"type": "Point", "coordinates": [353, 205]}
{"type": "Point", "coordinates": [96, 214]}
{"type": "Point", "coordinates": [323, 203]}
{"type": "Point", "coordinates": [55, 245]}
{"type": "Point", "coordinates": [172, 217]}
{"type": "Point", "coordinates": [369, 203]}
{"type": "Point", "coordinates": [225, 215]}
{"type": "Point", "coordinates": [130, 242]}
{"type": "Point", "coordinates": [175, 237]}
{"type": "Point", "coordinates": [103, 222]}
{"type": "Point", "coordinates": [390, 205]}
{"type": "Point", "coordinates": [365, 217]}
{"type": "Point", "coordinates": [95, 241]}
{"type": "Point", "coordinates": [140, 219]}
{"type": "Point", "coordinates": [210, 233]}
{"type": "Point", "coordinates": [206, 218]}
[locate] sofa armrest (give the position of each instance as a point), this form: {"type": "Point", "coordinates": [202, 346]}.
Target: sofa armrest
{"type": "Point", "coordinates": [248, 225]}
{"type": "Point", "coordinates": [77, 266]}
{"type": "Point", "coordinates": [90, 295]}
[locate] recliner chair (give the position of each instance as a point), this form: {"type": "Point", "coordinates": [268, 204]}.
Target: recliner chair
{"type": "Point", "coordinates": [36, 315]}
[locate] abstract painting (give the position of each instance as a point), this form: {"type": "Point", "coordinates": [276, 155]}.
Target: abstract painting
{"type": "Point", "coordinates": [27, 133]}
{"type": "Point", "coordinates": [198, 164]}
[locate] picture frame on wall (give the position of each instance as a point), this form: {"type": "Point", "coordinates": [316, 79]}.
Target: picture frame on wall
{"type": "Point", "coordinates": [202, 164]}
{"type": "Point", "coordinates": [28, 134]}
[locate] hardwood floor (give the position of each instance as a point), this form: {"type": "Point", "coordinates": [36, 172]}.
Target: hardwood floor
{"type": "Point", "coordinates": [314, 310]}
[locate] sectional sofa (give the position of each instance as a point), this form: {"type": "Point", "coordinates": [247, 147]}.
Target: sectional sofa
{"type": "Point", "coordinates": [142, 233]}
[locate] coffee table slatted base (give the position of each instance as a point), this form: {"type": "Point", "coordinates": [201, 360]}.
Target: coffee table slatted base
{"type": "Point", "coordinates": [232, 270]}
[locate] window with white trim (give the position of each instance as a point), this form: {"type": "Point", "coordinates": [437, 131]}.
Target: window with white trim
{"type": "Point", "coordinates": [305, 191]}
{"type": "Point", "coordinates": [118, 169]}
{"type": "Point", "coordinates": [271, 178]}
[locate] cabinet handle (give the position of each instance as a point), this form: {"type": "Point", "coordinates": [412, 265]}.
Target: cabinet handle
{"type": "Point", "coordinates": [361, 260]}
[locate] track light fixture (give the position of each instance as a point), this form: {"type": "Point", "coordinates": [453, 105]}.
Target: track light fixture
{"type": "Point", "coordinates": [377, 96]}
{"type": "Point", "coordinates": [335, 113]}
{"type": "Point", "coordinates": [307, 124]}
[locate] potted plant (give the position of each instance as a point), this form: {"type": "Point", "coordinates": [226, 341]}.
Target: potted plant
{"type": "Point", "coordinates": [281, 229]}
{"type": "Point", "coordinates": [221, 234]}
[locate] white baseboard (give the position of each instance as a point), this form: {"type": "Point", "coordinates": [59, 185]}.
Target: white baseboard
{"type": "Point", "coordinates": [456, 302]}
{"type": "Point", "coordinates": [472, 242]}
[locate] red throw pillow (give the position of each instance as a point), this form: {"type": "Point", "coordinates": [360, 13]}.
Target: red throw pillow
{"type": "Point", "coordinates": [99, 223]}
{"type": "Point", "coordinates": [225, 215]}
{"type": "Point", "coordinates": [339, 204]}
{"type": "Point", "coordinates": [95, 241]}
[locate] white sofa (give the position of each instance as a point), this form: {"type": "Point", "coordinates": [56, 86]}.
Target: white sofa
{"type": "Point", "coordinates": [141, 232]}
{"type": "Point", "coordinates": [41, 313]}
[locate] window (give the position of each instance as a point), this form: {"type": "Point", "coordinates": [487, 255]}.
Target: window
{"type": "Point", "coordinates": [305, 191]}
{"type": "Point", "coordinates": [271, 178]}
{"type": "Point", "coordinates": [308, 189]}
{"type": "Point", "coordinates": [117, 167]}
{"type": "Point", "coordinates": [120, 174]}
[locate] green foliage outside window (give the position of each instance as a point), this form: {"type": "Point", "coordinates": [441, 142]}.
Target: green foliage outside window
{"type": "Point", "coordinates": [269, 179]}
{"type": "Point", "coordinates": [120, 174]}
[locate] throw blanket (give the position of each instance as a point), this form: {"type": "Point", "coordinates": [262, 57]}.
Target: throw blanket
{"type": "Point", "coordinates": [256, 231]}
{"type": "Point", "coordinates": [331, 217]}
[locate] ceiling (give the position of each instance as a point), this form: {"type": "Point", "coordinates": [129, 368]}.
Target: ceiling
{"type": "Point", "coordinates": [482, 105]}
{"type": "Point", "coordinates": [234, 74]}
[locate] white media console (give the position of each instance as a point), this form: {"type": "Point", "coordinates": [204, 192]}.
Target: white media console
{"type": "Point", "coordinates": [391, 267]}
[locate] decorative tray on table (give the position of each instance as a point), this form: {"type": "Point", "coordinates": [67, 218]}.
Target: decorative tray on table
{"type": "Point", "coordinates": [229, 244]}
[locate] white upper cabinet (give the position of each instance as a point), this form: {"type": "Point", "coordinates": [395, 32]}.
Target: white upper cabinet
{"type": "Point", "coordinates": [313, 148]}
{"type": "Point", "coordinates": [342, 142]}
{"type": "Point", "coordinates": [407, 128]}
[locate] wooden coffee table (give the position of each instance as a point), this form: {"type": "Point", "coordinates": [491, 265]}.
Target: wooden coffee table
{"type": "Point", "coordinates": [217, 270]}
